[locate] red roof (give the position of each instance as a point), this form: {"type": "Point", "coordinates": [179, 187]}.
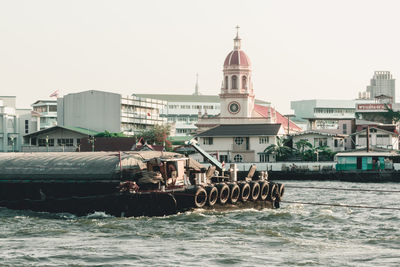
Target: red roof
{"type": "Point", "coordinates": [237, 57]}
{"type": "Point", "coordinates": [267, 112]}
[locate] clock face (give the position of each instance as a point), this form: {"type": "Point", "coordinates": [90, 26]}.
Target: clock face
{"type": "Point", "coordinates": [234, 107]}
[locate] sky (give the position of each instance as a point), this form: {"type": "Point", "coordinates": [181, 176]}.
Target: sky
{"type": "Point", "coordinates": [308, 49]}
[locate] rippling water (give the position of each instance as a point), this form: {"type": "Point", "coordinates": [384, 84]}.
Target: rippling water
{"type": "Point", "coordinates": [294, 235]}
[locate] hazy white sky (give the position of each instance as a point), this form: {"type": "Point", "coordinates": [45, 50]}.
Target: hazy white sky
{"type": "Point", "coordinates": [299, 49]}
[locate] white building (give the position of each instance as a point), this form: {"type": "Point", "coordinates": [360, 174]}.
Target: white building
{"type": "Point", "coordinates": [100, 111]}
{"type": "Point", "coordinates": [382, 84]}
{"type": "Point", "coordinates": [47, 110]}
{"type": "Point", "coordinates": [241, 143]}
{"type": "Point", "coordinates": [379, 138]}
{"type": "Point", "coordinates": [335, 142]}
{"type": "Point", "coordinates": [56, 139]}
{"type": "Point", "coordinates": [14, 123]}
{"type": "Point", "coordinates": [184, 110]}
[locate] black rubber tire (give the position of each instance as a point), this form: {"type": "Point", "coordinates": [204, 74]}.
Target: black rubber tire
{"type": "Point", "coordinates": [264, 188]}
{"type": "Point", "coordinates": [281, 191]}
{"type": "Point", "coordinates": [200, 197]}
{"type": "Point", "coordinates": [244, 191]}
{"type": "Point", "coordinates": [223, 193]}
{"type": "Point", "coordinates": [234, 193]}
{"type": "Point", "coordinates": [272, 192]}
{"type": "Point", "coordinates": [212, 195]}
{"type": "Point", "coordinates": [254, 190]}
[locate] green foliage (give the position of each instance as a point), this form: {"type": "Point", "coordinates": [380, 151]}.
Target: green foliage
{"type": "Point", "coordinates": [280, 149]}
{"type": "Point", "coordinates": [392, 115]}
{"type": "Point", "coordinates": [302, 146]}
{"type": "Point", "coordinates": [108, 134]}
{"type": "Point", "coordinates": [157, 135]}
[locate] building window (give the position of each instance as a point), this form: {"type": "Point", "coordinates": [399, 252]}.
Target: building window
{"type": "Point", "coordinates": [238, 158]}
{"type": "Point", "coordinates": [234, 82]}
{"type": "Point", "coordinates": [264, 158]}
{"type": "Point", "coordinates": [320, 142]}
{"type": "Point", "coordinates": [78, 141]}
{"type": "Point", "coordinates": [207, 140]}
{"type": "Point", "coordinates": [223, 158]}
{"type": "Point", "coordinates": [53, 108]}
{"type": "Point", "coordinates": [264, 140]}
{"type": "Point", "coordinates": [33, 141]}
{"type": "Point", "coordinates": [42, 142]}
{"type": "Point", "coordinates": [244, 82]}
{"type": "Point", "coordinates": [26, 126]}
{"type": "Point", "coordinates": [226, 82]}
{"type": "Point", "coordinates": [65, 142]}
{"type": "Point", "coordinates": [344, 128]}
{"type": "Point", "coordinates": [238, 140]}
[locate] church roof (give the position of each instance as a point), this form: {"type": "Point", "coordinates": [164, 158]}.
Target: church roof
{"type": "Point", "coordinates": [232, 130]}
{"type": "Point", "coordinates": [267, 112]}
{"type": "Point", "coordinates": [237, 58]}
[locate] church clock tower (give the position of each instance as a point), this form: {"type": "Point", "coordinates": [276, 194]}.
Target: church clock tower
{"type": "Point", "coordinates": [237, 97]}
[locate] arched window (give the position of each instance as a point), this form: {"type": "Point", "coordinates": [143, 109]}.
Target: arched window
{"type": "Point", "coordinates": [244, 82]}
{"type": "Point", "coordinates": [226, 82]}
{"type": "Point", "coordinates": [238, 158]}
{"type": "Point", "coordinates": [234, 82]}
{"type": "Point", "coordinates": [238, 140]}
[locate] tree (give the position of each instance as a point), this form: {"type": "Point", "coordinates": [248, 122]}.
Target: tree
{"type": "Point", "coordinates": [280, 149]}
{"type": "Point", "coordinates": [392, 115]}
{"type": "Point", "coordinates": [302, 146]}
{"type": "Point", "coordinates": [108, 134]}
{"type": "Point", "coordinates": [157, 135]}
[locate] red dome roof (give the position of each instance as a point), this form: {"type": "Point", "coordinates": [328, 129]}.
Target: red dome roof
{"type": "Point", "coordinates": [237, 58]}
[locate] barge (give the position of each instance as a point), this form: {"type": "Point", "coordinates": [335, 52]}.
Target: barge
{"type": "Point", "coordinates": [146, 183]}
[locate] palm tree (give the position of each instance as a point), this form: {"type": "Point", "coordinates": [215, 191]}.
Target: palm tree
{"type": "Point", "coordinates": [303, 145]}
{"type": "Point", "coordinates": [280, 149]}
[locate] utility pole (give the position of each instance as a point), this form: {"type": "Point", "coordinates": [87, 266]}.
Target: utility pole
{"type": "Point", "coordinates": [91, 141]}
{"type": "Point", "coordinates": [47, 143]}
{"type": "Point", "coordinates": [288, 116]}
{"type": "Point", "coordinates": [367, 138]}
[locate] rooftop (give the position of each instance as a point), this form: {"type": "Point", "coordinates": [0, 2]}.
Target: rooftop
{"type": "Point", "coordinates": [232, 130]}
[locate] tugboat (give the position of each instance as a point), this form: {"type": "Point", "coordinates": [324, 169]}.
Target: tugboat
{"type": "Point", "coordinates": [125, 184]}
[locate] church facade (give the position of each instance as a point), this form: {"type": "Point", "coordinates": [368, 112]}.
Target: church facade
{"type": "Point", "coordinates": [243, 129]}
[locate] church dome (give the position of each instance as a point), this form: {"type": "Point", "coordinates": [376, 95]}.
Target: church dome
{"type": "Point", "coordinates": [237, 58]}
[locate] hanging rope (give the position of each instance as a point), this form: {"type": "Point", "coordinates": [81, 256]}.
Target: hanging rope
{"type": "Point", "coordinates": [343, 189]}
{"type": "Point", "coordinates": [339, 205]}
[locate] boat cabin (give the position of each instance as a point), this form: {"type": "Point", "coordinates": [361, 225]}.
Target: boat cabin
{"type": "Point", "coordinates": [366, 161]}
{"type": "Point", "coordinates": [172, 170]}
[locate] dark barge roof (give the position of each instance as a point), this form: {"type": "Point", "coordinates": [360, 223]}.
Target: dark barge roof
{"type": "Point", "coordinates": [73, 166]}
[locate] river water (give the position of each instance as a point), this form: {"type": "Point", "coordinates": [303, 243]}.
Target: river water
{"type": "Point", "coordinates": [294, 235]}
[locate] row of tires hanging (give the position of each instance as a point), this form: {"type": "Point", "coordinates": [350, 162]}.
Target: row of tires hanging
{"type": "Point", "coordinates": [229, 193]}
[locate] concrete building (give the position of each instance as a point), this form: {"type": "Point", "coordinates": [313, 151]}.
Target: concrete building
{"type": "Point", "coordinates": [56, 139]}
{"type": "Point", "coordinates": [378, 138]}
{"type": "Point", "coordinates": [184, 110]}
{"type": "Point", "coordinates": [382, 85]}
{"type": "Point", "coordinates": [335, 142]}
{"type": "Point", "coordinates": [240, 143]}
{"type": "Point", "coordinates": [47, 110]}
{"type": "Point", "coordinates": [331, 116]}
{"type": "Point", "coordinates": [14, 123]}
{"type": "Point", "coordinates": [100, 111]}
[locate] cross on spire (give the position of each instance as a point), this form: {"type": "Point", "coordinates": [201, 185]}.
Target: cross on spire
{"type": "Point", "coordinates": [236, 41]}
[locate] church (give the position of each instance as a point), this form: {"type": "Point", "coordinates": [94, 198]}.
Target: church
{"type": "Point", "coordinates": [243, 130]}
